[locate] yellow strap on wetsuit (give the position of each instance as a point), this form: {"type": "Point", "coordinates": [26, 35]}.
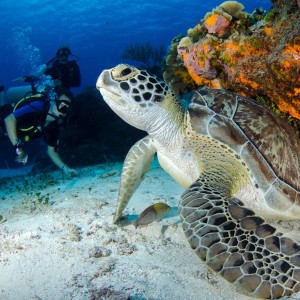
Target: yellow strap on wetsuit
{"type": "Point", "coordinates": [22, 102]}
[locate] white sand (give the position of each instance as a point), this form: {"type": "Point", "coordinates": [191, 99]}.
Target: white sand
{"type": "Point", "coordinates": [70, 249]}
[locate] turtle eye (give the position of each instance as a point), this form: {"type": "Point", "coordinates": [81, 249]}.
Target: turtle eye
{"type": "Point", "coordinates": [125, 72]}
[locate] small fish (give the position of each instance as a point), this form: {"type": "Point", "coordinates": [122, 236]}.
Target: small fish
{"type": "Point", "coordinates": [155, 212]}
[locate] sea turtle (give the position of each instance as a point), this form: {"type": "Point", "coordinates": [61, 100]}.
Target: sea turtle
{"type": "Point", "coordinates": [238, 162]}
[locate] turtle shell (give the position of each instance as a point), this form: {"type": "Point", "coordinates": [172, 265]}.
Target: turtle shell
{"type": "Point", "coordinates": [268, 145]}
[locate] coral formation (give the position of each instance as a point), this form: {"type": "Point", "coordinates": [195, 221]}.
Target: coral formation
{"type": "Point", "coordinates": [257, 55]}
{"type": "Point", "coordinates": [233, 8]}
{"type": "Point", "coordinates": [217, 24]}
{"type": "Point", "coordinates": [145, 53]}
{"type": "Point", "coordinates": [184, 45]}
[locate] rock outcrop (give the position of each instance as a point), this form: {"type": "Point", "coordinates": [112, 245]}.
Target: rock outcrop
{"type": "Point", "coordinates": [256, 55]}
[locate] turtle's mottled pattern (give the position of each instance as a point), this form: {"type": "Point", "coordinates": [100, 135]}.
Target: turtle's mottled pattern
{"type": "Point", "coordinates": [238, 163]}
{"type": "Point", "coordinates": [239, 245]}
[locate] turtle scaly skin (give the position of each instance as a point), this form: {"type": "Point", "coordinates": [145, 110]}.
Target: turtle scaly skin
{"type": "Point", "coordinates": [239, 164]}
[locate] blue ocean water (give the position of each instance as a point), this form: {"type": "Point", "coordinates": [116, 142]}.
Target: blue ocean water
{"type": "Point", "coordinates": [97, 31]}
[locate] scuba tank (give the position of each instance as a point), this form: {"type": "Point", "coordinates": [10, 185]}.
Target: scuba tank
{"type": "Point", "coordinates": [27, 100]}
{"type": "Point", "coordinates": [37, 83]}
{"type": "Point", "coordinates": [40, 86]}
{"type": "Point", "coordinates": [14, 94]}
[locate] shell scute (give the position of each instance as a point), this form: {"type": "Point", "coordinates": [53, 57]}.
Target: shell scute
{"type": "Point", "coordinates": [236, 120]}
{"type": "Point", "coordinates": [226, 131]}
{"type": "Point", "coordinates": [200, 117]}
{"type": "Point", "coordinates": [272, 137]}
{"type": "Point", "coordinates": [281, 196]}
{"type": "Point", "coordinates": [215, 101]}
{"type": "Point", "coordinates": [259, 166]}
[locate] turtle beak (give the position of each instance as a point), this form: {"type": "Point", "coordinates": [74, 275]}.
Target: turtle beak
{"type": "Point", "coordinates": [105, 81]}
{"type": "Point", "coordinates": [109, 88]}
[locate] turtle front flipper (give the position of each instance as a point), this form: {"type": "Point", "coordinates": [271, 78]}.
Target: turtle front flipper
{"type": "Point", "coordinates": [237, 244]}
{"type": "Point", "coordinates": [136, 165]}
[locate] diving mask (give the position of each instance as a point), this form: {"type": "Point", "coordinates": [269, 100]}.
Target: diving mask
{"type": "Point", "coordinates": [63, 105]}
{"type": "Point", "coordinates": [63, 52]}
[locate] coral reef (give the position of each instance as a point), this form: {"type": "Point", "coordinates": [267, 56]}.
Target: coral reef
{"type": "Point", "coordinates": [217, 24]}
{"type": "Point", "coordinates": [256, 55]}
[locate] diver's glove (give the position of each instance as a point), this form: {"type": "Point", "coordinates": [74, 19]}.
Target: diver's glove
{"type": "Point", "coordinates": [68, 171]}
{"type": "Point", "coordinates": [22, 157]}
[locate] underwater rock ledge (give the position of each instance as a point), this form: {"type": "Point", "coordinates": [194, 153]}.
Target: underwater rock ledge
{"type": "Point", "coordinates": [256, 55]}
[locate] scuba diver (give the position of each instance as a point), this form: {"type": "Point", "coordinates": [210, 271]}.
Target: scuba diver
{"type": "Point", "coordinates": [37, 115]}
{"type": "Point", "coordinates": [65, 73]}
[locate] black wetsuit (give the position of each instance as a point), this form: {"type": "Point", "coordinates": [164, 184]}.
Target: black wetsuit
{"type": "Point", "coordinates": [30, 122]}
{"type": "Point", "coordinates": [68, 73]}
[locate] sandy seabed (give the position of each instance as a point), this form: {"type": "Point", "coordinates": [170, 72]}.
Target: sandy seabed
{"type": "Point", "coordinates": [57, 241]}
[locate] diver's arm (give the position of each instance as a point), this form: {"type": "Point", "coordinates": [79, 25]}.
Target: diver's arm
{"type": "Point", "coordinates": [58, 161]}
{"type": "Point", "coordinates": [77, 76]}
{"type": "Point", "coordinates": [72, 78]}
{"type": "Point", "coordinates": [11, 120]}
{"type": "Point", "coordinates": [11, 128]}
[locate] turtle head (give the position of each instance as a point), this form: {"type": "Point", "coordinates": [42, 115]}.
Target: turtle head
{"type": "Point", "coordinates": [138, 98]}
